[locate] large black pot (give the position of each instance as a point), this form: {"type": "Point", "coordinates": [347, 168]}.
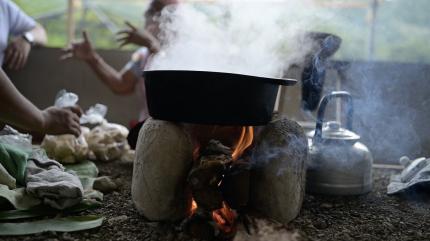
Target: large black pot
{"type": "Point", "coordinates": [211, 97]}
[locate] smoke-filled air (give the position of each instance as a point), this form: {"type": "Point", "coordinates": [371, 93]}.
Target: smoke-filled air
{"type": "Point", "coordinates": [249, 37]}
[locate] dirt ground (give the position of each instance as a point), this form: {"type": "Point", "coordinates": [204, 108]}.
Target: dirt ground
{"type": "Point", "coordinates": [374, 216]}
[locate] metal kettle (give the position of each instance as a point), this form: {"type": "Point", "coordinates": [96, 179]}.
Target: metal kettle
{"type": "Point", "coordinates": [339, 164]}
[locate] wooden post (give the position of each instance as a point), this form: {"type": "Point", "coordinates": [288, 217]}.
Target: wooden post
{"type": "Point", "coordinates": [70, 21]}
{"type": "Point", "coordinates": [373, 11]}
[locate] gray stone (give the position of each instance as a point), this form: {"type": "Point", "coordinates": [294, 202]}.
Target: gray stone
{"type": "Point", "coordinates": [104, 184]}
{"type": "Point", "coordinates": [278, 173]}
{"type": "Point", "coordinates": [163, 161]}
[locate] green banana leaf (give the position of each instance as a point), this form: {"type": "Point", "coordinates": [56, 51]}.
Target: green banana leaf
{"type": "Point", "coordinates": [18, 198]}
{"type": "Point", "coordinates": [47, 211]}
{"type": "Point", "coordinates": [67, 224]}
{"type": "Point", "coordinates": [14, 159]}
{"type": "Point", "coordinates": [84, 169]}
{"type": "Point", "coordinates": [87, 171]}
{"type": "Point", "coordinates": [93, 195]}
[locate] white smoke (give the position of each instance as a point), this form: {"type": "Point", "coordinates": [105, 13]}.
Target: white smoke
{"type": "Point", "coordinates": [249, 37]}
{"type": "Point", "coordinates": [267, 231]}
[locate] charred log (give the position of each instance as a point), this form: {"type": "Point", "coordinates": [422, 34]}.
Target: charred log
{"type": "Point", "coordinates": [215, 147]}
{"type": "Point", "coordinates": [205, 177]}
{"type": "Point", "coordinates": [235, 185]}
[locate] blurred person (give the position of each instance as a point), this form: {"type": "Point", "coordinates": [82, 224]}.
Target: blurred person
{"type": "Point", "coordinates": [18, 33]}
{"type": "Point", "coordinates": [17, 111]}
{"type": "Point", "coordinates": [125, 81]}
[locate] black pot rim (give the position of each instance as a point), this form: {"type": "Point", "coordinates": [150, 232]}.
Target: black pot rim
{"type": "Point", "coordinates": [277, 81]}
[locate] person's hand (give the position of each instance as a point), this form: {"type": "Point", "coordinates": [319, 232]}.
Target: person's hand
{"type": "Point", "coordinates": [62, 120]}
{"type": "Point", "coordinates": [16, 53]}
{"type": "Point", "coordinates": [82, 49]}
{"type": "Point", "coordinates": [133, 36]}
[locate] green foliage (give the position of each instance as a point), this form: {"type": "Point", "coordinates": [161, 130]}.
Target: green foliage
{"type": "Point", "coordinates": [402, 27]}
{"type": "Point", "coordinates": [39, 7]}
{"type": "Point", "coordinates": [403, 31]}
{"type": "Point", "coordinates": [66, 224]}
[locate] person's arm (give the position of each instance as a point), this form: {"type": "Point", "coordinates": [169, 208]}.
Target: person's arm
{"type": "Point", "coordinates": [25, 32]}
{"type": "Point", "coordinates": [39, 34]}
{"type": "Point", "coordinates": [121, 83]}
{"type": "Point", "coordinates": [18, 49]}
{"type": "Point", "coordinates": [16, 110]}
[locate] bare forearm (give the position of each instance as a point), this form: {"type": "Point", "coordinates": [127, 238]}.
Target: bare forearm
{"type": "Point", "coordinates": [153, 45]}
{"type": "Point", "coordinates": [15, 109]}
{"type": "Point", "coordinates": [111, 77]}
{"type": "Point", "coordinates": [40, 36]}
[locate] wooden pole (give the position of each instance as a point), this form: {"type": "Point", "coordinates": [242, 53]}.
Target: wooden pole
{"type": "Point", "coordinates": [70, 21]}
{"type": "Point", "coordinates": [373, 10]}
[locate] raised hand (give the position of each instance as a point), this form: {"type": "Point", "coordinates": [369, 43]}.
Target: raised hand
{"type": "Point", "coordinates": [133, 36]}
{"type": "Point", "coordinates": [82, 49]}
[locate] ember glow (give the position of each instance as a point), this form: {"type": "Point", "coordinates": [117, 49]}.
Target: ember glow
{"type": "Point", "coordinates": [244, 142]}
{"type": "Point", "coordinates": [196, 152]}
{"type": "Point", "coordinates": [193, 207]}
{"type": "Point", "coordinates": [225, 218]}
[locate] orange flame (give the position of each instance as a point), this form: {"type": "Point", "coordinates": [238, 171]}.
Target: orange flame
{"type": "Point", "coordinates": [196, 152]}
{"type": "Point", "coordinates": [193, 207]}
{"type": "Point", "coordinates": [225, 218]}
{"type": "Point", "coordinates": [244, 142]}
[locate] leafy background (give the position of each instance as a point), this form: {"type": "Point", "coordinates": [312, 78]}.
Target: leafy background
{"type": "Point", "coordinates": [402, 29]}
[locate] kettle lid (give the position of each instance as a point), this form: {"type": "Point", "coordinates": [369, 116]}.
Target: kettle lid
{"type": "Point", "coordinates": [332, 131]}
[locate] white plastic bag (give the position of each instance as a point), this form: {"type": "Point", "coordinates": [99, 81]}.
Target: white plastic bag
{"type": "Point", "coordinates": [108, 141]}
{"type": "Point", "coordinates": [65, 99]}
{"type": "Point", "coordinates": [105, 142]}
{"type": "Point", "coordinates": [95, 115]}
{"type": "Point", "coordinates": [12, 137]}
{"type": "Point", "coordinates": [67, 148]}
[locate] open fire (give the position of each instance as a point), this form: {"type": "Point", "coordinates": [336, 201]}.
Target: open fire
{"type": "Point", "coordinates": [178, 163]}
{"type": "Point", "coordinates": [244, 142]}
{"type": "Point", "coordinates": [213, 180]}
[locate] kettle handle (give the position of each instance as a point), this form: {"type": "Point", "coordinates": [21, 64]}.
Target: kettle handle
{"type": "Point", "coordinates": [321, 110]}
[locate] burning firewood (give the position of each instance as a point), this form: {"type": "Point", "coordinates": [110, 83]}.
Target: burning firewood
{"type": "Point", "coordinates": [235, 184]}
{"type": "Point", "coordinates": [168, 174]}
{"type": "Point", "coordinates": [200, 226]}
{"type": "Point", "coordinates": [215, 147]}
{"type": "Point", "coordinates": [213, 167]}
{"type": "Point", "coordinates": [204, 179]}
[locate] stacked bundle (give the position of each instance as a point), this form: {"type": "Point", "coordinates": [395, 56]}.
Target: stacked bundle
{"type": "Point", "coordinates": [105, 141]}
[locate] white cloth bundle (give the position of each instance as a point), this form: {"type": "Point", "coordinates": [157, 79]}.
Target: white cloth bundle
{"type": "Point", "coordinates": [415, 172]}
{"type": "Point", "coordinates": [47, 180]}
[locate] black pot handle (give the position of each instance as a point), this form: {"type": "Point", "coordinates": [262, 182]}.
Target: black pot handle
{"type": "Point", "coordinates": [282, 81]}
{"type": "Point", "coordinates": [321, 110]}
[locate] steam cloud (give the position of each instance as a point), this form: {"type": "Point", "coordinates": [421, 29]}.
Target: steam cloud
{"type": "Point", "coordinates": [265, 38]}
{"type": "Point", "coordinates": [384, 112]}
{"type": "Point", "coordinates": [249, 37]}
